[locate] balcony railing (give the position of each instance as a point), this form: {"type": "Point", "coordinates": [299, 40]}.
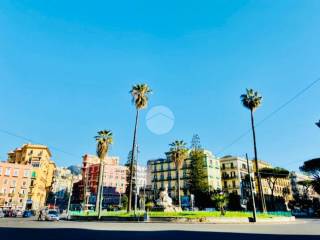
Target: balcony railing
{"type": "Point", "coordinates": [227, 168]}
{"type": "Point", "coordinates": [231, 187]}
{"type": "Point", "coordinates": [229, 177]}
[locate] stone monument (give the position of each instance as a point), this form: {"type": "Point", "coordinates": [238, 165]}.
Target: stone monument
{"type": "Point", "coordinates": [165, 202]}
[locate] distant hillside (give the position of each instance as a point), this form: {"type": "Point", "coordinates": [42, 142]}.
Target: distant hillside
{"type": "Point", "coordinates": [75, 170]}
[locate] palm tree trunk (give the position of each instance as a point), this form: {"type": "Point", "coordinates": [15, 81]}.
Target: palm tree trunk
{"type": "Point", "coordinates": [261, 196]}
{"type": "Point", "coordinates": [98, 202]}
{"type": "Point", "coordinates": [131, 162]}
{"type": "Point", "coordinates": [101, 193]}
{"type": "Point", "coordinates": [178, 186]}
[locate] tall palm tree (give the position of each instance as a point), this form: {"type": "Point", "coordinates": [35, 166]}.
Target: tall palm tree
{"type": "Point", "coordinates": [104, 140]}
{"type": "Point", "coordinates": [140, 97]}
{"type": "Point", "coordinates": [252, 100]}
{"type": "Point", "coordinates": [178, 153]}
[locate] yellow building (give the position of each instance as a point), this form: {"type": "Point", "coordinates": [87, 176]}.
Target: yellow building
{"type": "Point", "coordinates": [39, 157]}
{"type": "Point", "coordinates": [265, 185]}
{"type": "Point", "coordinates": [282, 186]}
{"type": "Point", "coordinates": [162, 174]}
{"type": "Point", "coordinates": [233, 173]}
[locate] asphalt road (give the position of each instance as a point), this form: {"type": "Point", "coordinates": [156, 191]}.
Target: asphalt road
{"type": "Point", "coordinates": [18, 228]}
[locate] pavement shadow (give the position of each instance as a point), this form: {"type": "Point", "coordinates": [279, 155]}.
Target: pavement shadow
{"type": "Point", "coordinates": [86, 234]}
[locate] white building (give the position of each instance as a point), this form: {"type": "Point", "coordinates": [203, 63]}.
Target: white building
{"type": "Point", "coordinates": [141, 178]}
{"type": "Point", "coordinates": [62, 182]}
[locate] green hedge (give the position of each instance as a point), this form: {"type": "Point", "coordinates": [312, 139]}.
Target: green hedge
{"type": "Point", "coordinates": [185, 214]}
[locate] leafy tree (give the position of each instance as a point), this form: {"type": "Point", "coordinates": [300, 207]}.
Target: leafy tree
{"type": "Point", "coordinates": [149, 206]}
{"type": "Point", "coordinates": [234, 202]}
{"type": "Point", "coordinates": [198, 182]}
{"type": "Point", "coordinates": [220, 200]}
{"type": "Point", "coordinates": [272, 175]}
{"type": "Point", "coordinates": [195, 142]}
{"type": "Point", "coordinates": [252, 100]}
{"type": "Point", "coordinates": [178, 153]}
{"type": "Point", "coordinates": [124, 202]}
{"type": "Point", "coordinates": [312, 167]}
{"type": "Point", "coordinates": [140, 97]}
{"type": "Point", "coordinates": [306, 184]}
{"type": "Point", "coordinates": [50, 198]}
{"type": "Point", "coordinates": [129, 174]}
{"type": "Point", "coordinates": [104, 140]}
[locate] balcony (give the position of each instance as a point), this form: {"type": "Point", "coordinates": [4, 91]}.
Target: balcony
{"type": "Point", "coordinates": [231, 187]}
{"type": "Point", "coordinates": [228, 168]}
{"type": "Point", "coordinates": [225, 177]}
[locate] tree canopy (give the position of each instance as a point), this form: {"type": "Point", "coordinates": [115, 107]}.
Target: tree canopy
{"type": "Point", "coordinates": [276, 172]}
{"type": "Point", "coordinates": [312, 167]}
{"type": "Point", "coordinates": [251, 99]}
{"type": "Point", "coordinates": [104, 139]}
{"type": "Point", "coordinates": [272, 175]}
{"type": "Point", "coordinates": [178, 152]}
{"type": "Point", "coordinates": [140, 95]}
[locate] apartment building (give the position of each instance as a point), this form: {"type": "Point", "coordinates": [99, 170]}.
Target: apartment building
{"type": "Point", "coordinates": [39, 158]}
{"type": "Point", "coordinates": [161, 173]}
{"type": "Point", "coordinates": [114, 180]}
{"type": "Point", "coordinates": [233, 173]}
{"type": "Point", "coordinates": [15, 181]}
{"type": "Point", "coordinates": [282, 184]}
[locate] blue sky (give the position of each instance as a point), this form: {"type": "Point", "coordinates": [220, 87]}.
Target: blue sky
{"type": "Point", "coordinates": [66, 68]}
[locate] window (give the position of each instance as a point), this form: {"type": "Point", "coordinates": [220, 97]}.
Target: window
{"type": "Point", "coordinates": [26, 173]}
{"type": "Point", "coordinates": [16, 172]}
{"type": "Point", "coordinates": [244, 166]}
{"type": "Point", "coordinates": [13, 183]}
{"type": "Point", "coordinates": [234, 183]}
{"type": "Point", "coordinates": [35, 164]}
{"type": "Point", "coordinates": [223, 166]}
{"type": "Point", "coordinates": [5, 181]}
{"type": "Point", "coordinates": [231, 165]}
{"type": "Point", "coordinates": [8, 171]}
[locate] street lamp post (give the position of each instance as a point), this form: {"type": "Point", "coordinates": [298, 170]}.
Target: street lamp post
{"type": "Point", "coordinates": [70, 196]}
{"type": "Point", "coordinates": [55, 202]}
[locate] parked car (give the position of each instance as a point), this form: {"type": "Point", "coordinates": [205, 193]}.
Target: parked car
{"type": "Point", "coordinates": [52, 215]}
{"type": "Point", "coordinates": [27, 214]}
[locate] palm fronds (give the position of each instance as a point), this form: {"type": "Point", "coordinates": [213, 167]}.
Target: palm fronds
{"type": "Point", "coordinates": [251, 100]}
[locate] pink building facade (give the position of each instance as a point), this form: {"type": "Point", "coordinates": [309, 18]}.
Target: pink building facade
{"type": "Point", "coordinates": [15, 181]}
